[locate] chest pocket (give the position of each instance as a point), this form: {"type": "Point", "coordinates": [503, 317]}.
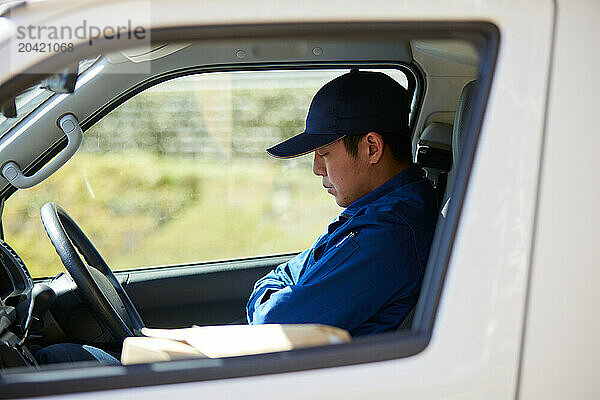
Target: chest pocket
{"type": "Point", "coordinates": [330, 260]}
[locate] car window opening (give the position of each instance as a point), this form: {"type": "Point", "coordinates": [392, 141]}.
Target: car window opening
{"type": "Point", "coordinates": [173, 186]}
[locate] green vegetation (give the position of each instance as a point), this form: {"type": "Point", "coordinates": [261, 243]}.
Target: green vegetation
{"type": "Point", "coordinates": [145, 209]}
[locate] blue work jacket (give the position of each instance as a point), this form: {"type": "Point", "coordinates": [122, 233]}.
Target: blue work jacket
{"type": "Point", "coordinates": [365, 272]}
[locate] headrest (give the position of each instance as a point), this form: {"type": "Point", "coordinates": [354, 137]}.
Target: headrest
{"type": "Point", "coordinates": [434, 149]}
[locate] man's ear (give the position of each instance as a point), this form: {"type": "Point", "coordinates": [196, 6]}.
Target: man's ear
{"type": "Point", "coordinates": [374, 147]}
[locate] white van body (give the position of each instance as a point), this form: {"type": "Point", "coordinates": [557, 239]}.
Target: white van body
{"type": "Point", "coordinates": [518, 313]}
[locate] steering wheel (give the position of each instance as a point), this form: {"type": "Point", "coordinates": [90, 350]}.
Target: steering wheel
{"type": "Point", "coordinates": [96, 282]}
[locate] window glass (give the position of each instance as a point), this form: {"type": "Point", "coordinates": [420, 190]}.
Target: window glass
{"type": "Point", "coordinates": [179, 174]}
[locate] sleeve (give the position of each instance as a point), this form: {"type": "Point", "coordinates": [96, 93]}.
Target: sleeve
{"type": "Point", "coordinates": [284, 275]}
{"type": "Point", "coordinates": [350, 283]}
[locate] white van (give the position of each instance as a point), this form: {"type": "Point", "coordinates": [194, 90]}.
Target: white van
{"type": "Point", "coordinates": [147, 122]}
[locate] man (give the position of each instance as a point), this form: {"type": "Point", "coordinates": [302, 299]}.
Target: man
{"type": "Point", "coordinates": [365, 272]}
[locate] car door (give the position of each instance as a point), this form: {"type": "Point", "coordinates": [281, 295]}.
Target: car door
{"type": "Point", "coordinates": [211, 293]}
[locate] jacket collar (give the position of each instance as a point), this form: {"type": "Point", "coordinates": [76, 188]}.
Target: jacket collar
{"type": "Point", "coordinates": [411, 174]}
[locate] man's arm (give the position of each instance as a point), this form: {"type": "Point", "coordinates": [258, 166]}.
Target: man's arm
{"type": "Point", "coordinates": [350, 283]}
{"type": "Point", "coordinates": [284, 275]}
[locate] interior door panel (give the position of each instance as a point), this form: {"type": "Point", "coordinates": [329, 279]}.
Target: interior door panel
{"type": "Point", "coordinates": [203, 294]}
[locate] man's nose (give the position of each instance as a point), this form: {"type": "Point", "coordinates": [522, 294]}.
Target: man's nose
{"type": "Point", "coordinates": [318, 166]}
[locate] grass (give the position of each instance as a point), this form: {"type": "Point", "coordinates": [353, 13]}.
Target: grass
{"type": "Point", "coordinates": [144, 210]}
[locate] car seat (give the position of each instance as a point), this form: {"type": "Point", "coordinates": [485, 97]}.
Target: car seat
{"type": "Point", "coordinates": [463, 111]}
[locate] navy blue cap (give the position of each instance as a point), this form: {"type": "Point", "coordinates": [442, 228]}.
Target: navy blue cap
{"type": "Point", "coordinates": [355, 103]}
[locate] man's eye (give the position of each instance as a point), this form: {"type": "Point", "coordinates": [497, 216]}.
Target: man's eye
{"type": "Point", "coordinates": [322, 154]}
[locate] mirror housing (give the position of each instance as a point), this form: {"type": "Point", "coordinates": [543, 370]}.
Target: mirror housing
{"type": "Point", "coordinates": [64, 81]}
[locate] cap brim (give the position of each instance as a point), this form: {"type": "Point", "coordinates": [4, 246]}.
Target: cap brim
{"type": "Point", "coordinates": [301, 144]}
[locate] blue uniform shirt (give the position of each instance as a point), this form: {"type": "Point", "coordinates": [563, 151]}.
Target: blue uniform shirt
{"type": "Point", "coordinates": [365, 272]}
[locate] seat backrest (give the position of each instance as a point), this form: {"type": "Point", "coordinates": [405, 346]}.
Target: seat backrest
{"type": "Point", "coordinates": [465, 106]}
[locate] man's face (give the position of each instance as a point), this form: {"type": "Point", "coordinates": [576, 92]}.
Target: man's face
{"type": "Point", "coordinates": [344, 176]}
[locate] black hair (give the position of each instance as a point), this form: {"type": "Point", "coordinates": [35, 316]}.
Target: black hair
{"type": "Point", "coordinates": [399, 143]}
